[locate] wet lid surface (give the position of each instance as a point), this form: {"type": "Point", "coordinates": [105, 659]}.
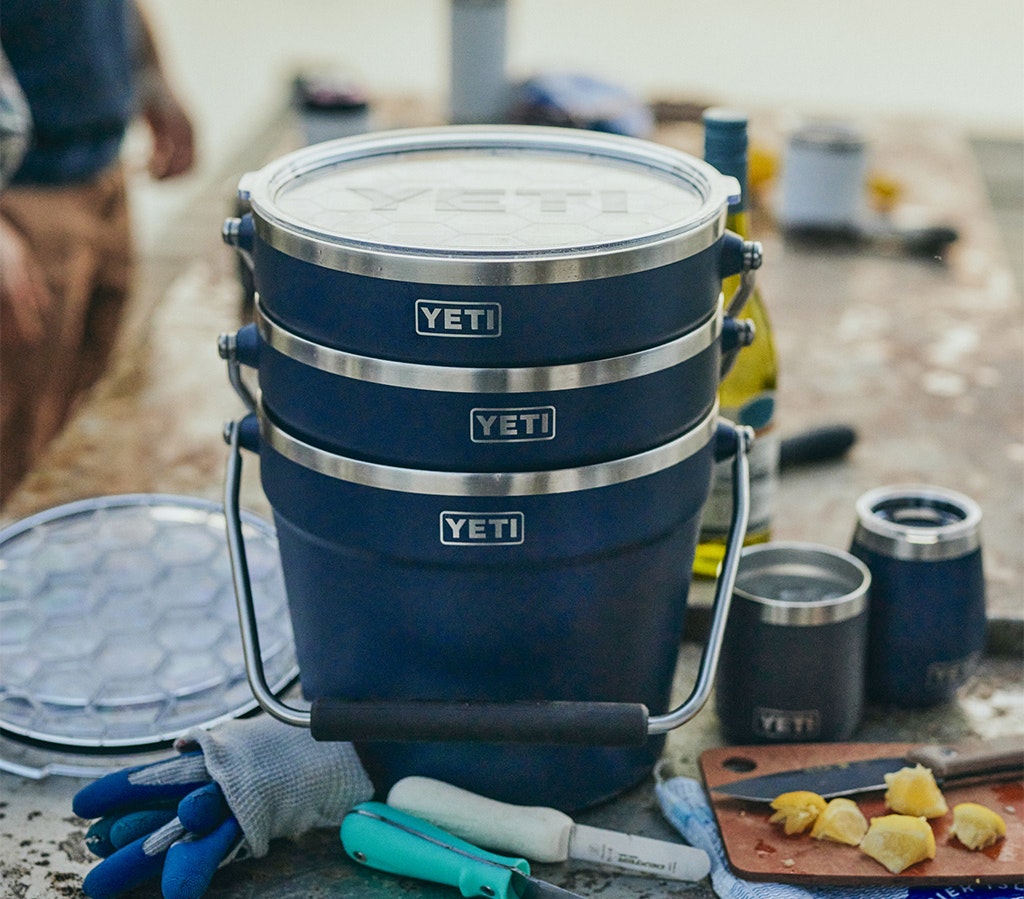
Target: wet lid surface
{"type": "Point", "coordinates": [118, 626]}
{"type": "Point", "coordinates": [495, 193]}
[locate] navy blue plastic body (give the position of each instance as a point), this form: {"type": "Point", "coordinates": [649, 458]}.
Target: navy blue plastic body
{"type": "Point", "coordinates": [589, 605]}
{"type": "Point", "coordinates": [540, 324]}
{"type": "Point", "coordinates": [456, 431]}
{"type": "Point", "coordinates": [926, 626]}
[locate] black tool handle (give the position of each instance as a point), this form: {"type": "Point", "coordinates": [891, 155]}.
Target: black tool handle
{"type": "Point", "coordinates": [550, 722]}
{"type": "Point", "coordinates": [821, 444]}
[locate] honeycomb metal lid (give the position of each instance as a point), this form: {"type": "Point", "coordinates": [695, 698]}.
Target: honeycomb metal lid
{"type": "Point", "coordinates": [118, 627]}
{"type": "Point", "coordinates": [489, 205]}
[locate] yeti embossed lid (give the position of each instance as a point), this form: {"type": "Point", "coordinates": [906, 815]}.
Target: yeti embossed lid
{"type": "Point", "coordinates": [494, 204]}
{"type": "Point", "coordinates": [118, 628]}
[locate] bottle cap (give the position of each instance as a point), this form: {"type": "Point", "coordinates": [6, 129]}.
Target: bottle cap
{"type": "Point", "coordinates": [725, 144]}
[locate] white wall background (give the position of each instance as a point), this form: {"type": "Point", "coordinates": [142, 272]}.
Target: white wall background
{"type": "Point", "coordinates": [961, 61]}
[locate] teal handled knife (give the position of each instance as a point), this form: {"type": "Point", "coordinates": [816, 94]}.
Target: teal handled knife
{"type": "Point", "coordinates": [384, 838]}
{"type": "Point", "coordinates": [542, 834]}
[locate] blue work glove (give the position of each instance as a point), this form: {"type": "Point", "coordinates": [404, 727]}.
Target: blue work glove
{"type": "Point", "coordinates": [225, 796]}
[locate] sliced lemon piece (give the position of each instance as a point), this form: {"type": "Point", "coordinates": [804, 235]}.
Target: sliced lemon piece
{"type": "Point", "coordinates": [840, 821]}
{"type": "Point", "coordinates": [899, 841]}
{"type": "Point", "coordinates": [976, 826]}
{"type": "Point", "coordinates": [913, 791]}
{"type": "Point", "coordinates": [797, 810]}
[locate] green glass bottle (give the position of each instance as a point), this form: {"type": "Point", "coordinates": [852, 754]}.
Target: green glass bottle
{"type": "Point", "coordinates": [747, 393]}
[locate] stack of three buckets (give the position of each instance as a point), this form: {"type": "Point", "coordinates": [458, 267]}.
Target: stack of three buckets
{"type": "Point", "coordinates": [488, 360]}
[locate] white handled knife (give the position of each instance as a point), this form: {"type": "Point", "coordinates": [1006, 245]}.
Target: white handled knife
{"type": "Point", "coordinates": [542, 834]}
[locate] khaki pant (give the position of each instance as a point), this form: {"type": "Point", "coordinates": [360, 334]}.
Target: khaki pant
{"type": "Point", "coordinates": [80, 239]}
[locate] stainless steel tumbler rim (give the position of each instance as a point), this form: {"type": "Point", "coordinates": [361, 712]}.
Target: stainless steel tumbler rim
{"type": "Point", "coordinates": [690, 234]}
{"type": "Point", "coordinates": [467, 379]}
{"type": "Point", "coordinates": [477, 484]}
{"type": "Point", "coordinates": [804, 562]}
{"type": "Point", "coordinates": [917, 522]}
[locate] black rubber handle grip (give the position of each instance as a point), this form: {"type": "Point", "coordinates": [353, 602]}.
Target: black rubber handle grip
{"type": "Point", "coordinates": [816, 445]}
{"type": "Point", "coordinates": [555, 723]}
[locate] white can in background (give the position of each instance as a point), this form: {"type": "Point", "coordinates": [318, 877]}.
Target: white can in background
{"type": "Point", "coordinates": [823, 178]}
{"type": "Point", "coordinates": [479, 90]}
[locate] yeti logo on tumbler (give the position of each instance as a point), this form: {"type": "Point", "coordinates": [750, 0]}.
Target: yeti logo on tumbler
{"type": "Point", "coordinates": [481, 528]}
{"type": "Point", "coordinates": [786, 724]}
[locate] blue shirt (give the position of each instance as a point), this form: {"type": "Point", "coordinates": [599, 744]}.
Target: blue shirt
{"type": "Point", "coordinates": [74, 62]}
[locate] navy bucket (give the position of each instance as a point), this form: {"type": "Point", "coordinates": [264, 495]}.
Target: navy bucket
{"type": "Point", "coordinates": [488, 246]}
{"type": "Point", "coordinates": [483, 419]}
{"type": "Point", "coordinates": [552, 587]}
{"type": "Point", "coordinates": [504, 614]}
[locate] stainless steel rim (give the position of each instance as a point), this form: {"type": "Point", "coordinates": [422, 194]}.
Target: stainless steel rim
{"type": "Point", "coordinates": [604, 259]}
{"type": "Point", "coordinates": [460, 379]}
{"type": "Point", "coordinates": [479, 484]}
{"type": "Point", "coordinates": [806, 560]}
{"type": "Point", "coordinates": [910, 537]}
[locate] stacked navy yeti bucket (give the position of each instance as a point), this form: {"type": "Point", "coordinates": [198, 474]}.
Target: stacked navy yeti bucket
{"type": "Point", "coordinates": [486, 421]}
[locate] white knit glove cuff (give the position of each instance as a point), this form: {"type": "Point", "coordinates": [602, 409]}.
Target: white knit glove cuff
{"type": "Point", "coordinates": [279, 781]}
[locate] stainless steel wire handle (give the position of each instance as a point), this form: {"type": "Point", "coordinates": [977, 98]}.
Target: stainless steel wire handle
{"type": "Point", "coordinates": [598, 723]}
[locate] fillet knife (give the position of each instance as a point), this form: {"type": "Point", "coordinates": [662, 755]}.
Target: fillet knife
{"type": "Point", "coordinates": [542, 834]}
{"type": "Point", "coordinates": [953, 765]}
{"type": "Point", "coordinates": [384, 838]}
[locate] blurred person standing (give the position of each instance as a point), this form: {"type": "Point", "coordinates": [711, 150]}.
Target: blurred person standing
{"type": "Point", "coordinates": [75, 74]}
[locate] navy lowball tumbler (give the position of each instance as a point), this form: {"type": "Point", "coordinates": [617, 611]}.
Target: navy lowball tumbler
{"type": "Point", "coordinates": [926, 631]}
{"type": "Point", "coordinates": [792, 663]}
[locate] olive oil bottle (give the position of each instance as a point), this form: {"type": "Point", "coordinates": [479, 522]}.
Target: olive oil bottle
{"type": "Point", "coordinates": [747, 393]}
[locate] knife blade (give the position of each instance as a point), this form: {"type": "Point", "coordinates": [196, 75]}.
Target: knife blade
{"type": "Point", "coordinates": [956, 764]}
{"type": "Point", "coordinates": [542, 834]}
{"type": "Point", "coordinates": [389, 840]}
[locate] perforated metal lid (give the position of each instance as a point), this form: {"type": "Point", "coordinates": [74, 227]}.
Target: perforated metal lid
{"type": "Point", "coordinates": [118, 628]}
{"type": "Point", "coordinates": [501, 204]}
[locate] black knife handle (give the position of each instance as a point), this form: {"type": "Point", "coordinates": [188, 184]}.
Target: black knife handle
{"type": "Point", "coordinates": [557, 723]}
{"type": "Point", "coordinates": [822, 444]}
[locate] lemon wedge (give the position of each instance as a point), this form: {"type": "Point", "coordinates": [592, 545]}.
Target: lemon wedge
{"type": "Point", "coordinates": [913, 791]}
{"type": "Point", "coordinates": [840, 821]}
{"type": "Point", "coordinates": [899, 841]}
{"type": "Point", "coordinates": [976, 826]}
{"type": "Point", "coordinates": [796, 810]}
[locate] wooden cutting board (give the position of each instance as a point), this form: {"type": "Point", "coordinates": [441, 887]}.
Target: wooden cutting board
{"type": "Point", "coordinates": [758, 850]}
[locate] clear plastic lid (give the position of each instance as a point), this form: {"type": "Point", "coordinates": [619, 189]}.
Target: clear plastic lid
{"type": "Point", "coordinates": [118, 626]}
{"type": "Point", "coordinates": [465, 198]}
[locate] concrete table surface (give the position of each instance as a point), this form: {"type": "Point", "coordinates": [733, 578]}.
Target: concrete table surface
{"type": "Point", "coordinates": [923, 358]}
{"type": "Point", "coordinates": [43, 854]}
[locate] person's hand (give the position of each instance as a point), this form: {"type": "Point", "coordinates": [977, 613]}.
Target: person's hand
{"type": "Point", "coordinates": [173, 148]}
{"type": "Point", "coordinates": [229, 792]}
{"type": "Point", "coordinates": [24, 295]}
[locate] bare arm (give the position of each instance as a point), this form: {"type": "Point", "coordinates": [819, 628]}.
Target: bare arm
{"type": "Point", "coordinates": [173, 151]}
